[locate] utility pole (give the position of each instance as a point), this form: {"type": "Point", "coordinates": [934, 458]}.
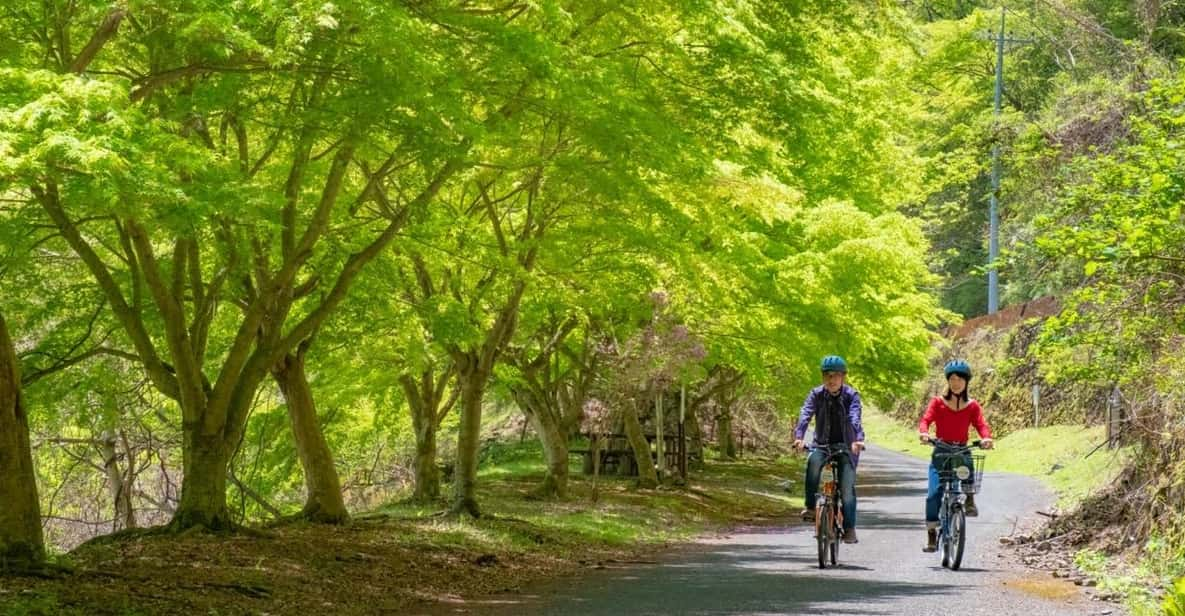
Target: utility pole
{"type": "Point", "coordinates": [994, 214]}
{"type": "Point", "coordinates": [1000, 38]}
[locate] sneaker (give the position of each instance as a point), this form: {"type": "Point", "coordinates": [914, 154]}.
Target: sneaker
{"type": "Point", "coordinates": [808, 515]}
{"type": "Point", "coordinates": [849, 536]}
{"type": "Point", "coordinates": [969, 507]}
{"type": "Point", "coordinates": [931, 540]}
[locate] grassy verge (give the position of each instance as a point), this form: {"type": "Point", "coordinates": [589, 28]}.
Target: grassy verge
{"type": "Point", "coordinates": [1063, 457]}
{"type": "Point", "coordinates": [1068, 460]}
{"type": "Point", "coordinates": [404, 557]}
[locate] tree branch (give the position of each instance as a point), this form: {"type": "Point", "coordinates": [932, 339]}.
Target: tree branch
{"type": "Point", "coordinates": [36, 375]}
{"type": "Point", "coordinates": [131, 319]}
{"type": "Point", "coordinates": [188, 370]}
{"type": "Point", "coordinates": [253, 495]}
{"type": "Point", "coordinates": [106, 30]}
{"type": "Point", "coordinates": [454, 394]}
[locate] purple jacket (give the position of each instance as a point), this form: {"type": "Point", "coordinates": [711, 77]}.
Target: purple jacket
{"type": "Point", "coordinates": [849, 399]}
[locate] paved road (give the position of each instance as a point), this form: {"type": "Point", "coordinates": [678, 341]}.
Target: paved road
{"type": "Point", "coordinates": [772, 571]}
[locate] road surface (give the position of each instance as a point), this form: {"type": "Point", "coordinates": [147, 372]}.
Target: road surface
{"type": "Point", "coordinates": [773, 571]}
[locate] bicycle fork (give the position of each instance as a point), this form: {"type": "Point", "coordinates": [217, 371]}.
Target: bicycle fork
{"type": "Point", "coordinates": [950, 503]}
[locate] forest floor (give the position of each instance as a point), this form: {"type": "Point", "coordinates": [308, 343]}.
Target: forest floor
{"type": "Point", "coordinates": [403, 557]}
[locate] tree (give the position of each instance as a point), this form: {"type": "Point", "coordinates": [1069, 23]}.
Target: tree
{"type": "Point", "coordinates": [323, 501]}
{"type": "Point", "coordinates": [430, 399]}
{"type": "Point", "coordinates": [641, 366]}
{"type": "Point", "coordinates": [554, 378]}
{"type": "Point", "coordinates": [151, 201]}
{"type": "Point", "coordinates": [21, 542]}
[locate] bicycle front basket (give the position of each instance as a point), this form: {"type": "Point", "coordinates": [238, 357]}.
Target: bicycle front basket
{"type": "Point", "coordinates": [953, 466]}
{"type": "Point", "coordinates": [973, 482]}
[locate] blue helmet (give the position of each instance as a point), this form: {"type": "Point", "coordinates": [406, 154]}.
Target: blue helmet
{"type": "Point", "coordinates": [834, 363]}
{"type": "Point", "coordinates": [959, 367]}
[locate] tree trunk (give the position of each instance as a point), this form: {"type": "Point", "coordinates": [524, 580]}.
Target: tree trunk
{"type": "Point", "coordinates": [427, 474]}
{"type": "Point", "coordinates": [647, 475]}
{"type": "Point", "coordinates": [203, 484]}
{"type": "Point", "coordinates": [121, 487]}
{"type": "Point", "coordinates": [555, 451]}
{"type": "Point", "coordinates": [21, 543]}
{"type": "Point", "coordinates": [594, 449]}
{"type": "Point", "coordinates": [474, 367]}
{"type": "Point", "coordinates": [724, 440]}
{"type": "Point", "coordinates": [552, 397]}
{"type": "Point", "coordinates": [324, 502]}
{"type": "Point", "coordinates": [695, 434]}
{"type": "Point", "coordinates": [660, 434]}
{"type": "Point", "coordinates": [428, 408]}
{"type": "Point", "coordinates": [473, 377]}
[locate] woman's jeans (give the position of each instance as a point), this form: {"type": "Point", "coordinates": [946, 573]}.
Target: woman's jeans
{"type": "Point", "coordinates": [847, 484]}
{"type": "Point", "coordinates": [934, 493]}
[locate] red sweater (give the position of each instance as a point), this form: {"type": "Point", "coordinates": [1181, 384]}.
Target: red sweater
{"type": "Point", "coordinates": [952, 425]}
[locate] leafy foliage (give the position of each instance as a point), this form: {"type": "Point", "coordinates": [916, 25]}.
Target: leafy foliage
{"type": "Point", "coordinates": [189, 190]}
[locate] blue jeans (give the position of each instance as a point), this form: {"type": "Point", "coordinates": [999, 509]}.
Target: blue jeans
{"type": "Point", "coordinates": [934, 492]}
{"type": "Point", "coordinates": [847, 485]}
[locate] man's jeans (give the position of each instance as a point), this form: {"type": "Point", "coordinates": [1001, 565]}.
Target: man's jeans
{"type": "Point", "coordinates": [847, 484]}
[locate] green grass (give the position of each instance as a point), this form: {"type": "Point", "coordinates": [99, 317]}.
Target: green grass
{"type": "Point", "coordinates": [35, 606]}
{"type": "Point", "coordinates": [1060, 456]}
{"type": "Point", "coordinates": [884, 431]}
{"type": "Point", "coordinates": [510, 459]}
{"type": "Point", "coordinates": [49, 605]}
{"type": "Point", "coordinates": [722, 494]}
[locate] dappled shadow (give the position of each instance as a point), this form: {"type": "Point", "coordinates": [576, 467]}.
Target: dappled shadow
{"type": "Point", "coordinates": [772, 571]}
{"type": "Point", "coordinates": [716, 592]}
{"type": "Point", "coordinates": [842, 566]}
{"type": "Point", "coordinates": [890, 491]}
{"type": "Point", "coordinates": [939, 567]}
{"type": "Point", "coordinates": [872, 519]}
{"type": "Point", "coordinates": [768, 572]}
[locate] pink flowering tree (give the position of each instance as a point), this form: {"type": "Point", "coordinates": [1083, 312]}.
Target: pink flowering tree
{"type": "Point", "coordinates": [659, 355]}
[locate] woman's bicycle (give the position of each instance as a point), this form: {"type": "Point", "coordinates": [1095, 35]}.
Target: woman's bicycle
{"type": "Point", "coordinates": [960, 473]}
{"type": "Point", "coordinates": [829, 505]}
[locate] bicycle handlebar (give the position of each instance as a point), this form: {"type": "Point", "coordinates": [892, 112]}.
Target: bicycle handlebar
{"type": "Point", "coordinates": [936, 442]}
{"type": "Point", "coordinates": [829, 447]}
{"type": "Point", "coordinates": [833, 450]}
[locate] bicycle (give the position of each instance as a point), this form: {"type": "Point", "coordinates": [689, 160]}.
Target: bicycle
{"type": "Point", "coordinates": [956, 481]}
{"type": "Point", "coordinates": [829, 506]}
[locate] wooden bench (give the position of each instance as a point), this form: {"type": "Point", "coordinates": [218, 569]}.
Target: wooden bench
{"type": "Point", "coordinates": [617, 456]}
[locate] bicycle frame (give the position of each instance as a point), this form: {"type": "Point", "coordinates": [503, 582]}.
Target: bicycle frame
{"type": "Point", "coordinates": [952, 520]}
{"type": "Point", "coordinates": [829, 506]}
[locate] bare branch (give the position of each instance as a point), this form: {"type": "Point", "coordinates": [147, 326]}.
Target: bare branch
{"type": "Point", "coordinates": [253, 495]}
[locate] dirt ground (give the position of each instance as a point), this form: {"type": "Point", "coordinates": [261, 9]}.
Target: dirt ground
{"type": "Point", "coordinates": [368, 567]}
{"type": "Point", "coordinates": [391, 564]}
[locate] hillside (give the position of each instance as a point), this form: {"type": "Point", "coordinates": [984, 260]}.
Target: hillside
{"type": "Point", "coordinates": [1102, 528]}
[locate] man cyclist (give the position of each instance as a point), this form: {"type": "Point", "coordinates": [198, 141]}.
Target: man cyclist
{"type": "Point", "coordinates": [836, 407]}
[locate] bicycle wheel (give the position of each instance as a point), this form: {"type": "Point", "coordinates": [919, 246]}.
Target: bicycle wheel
{"type": "Point", "coordinates": [958, 537]}
{"type": "Point", "coordinates": [823, 526]}
{"type": "Point", "coordinates": [944, 542]}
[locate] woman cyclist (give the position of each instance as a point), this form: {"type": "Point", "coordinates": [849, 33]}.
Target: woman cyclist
{"type": "Point", "coordinates": [952, 414]}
